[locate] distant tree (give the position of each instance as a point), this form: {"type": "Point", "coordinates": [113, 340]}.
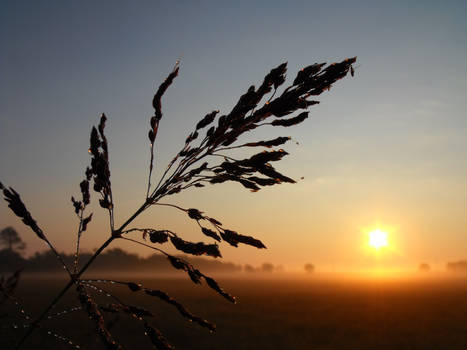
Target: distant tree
{"type": "Point", "coordinates": [424, 267]}
{"type": "Point", "coordinates": [457, 266]}
{"type": "Point", "coordinates": [249, 268]}
{"type": "Point", "coordinates": [267, 267]}
{"type": "Point", "coordinates": [309, 268]}
{"type": "Point", "coordinates": [10, 239]}
{"type": "Point", "coordinates": [10, 261]}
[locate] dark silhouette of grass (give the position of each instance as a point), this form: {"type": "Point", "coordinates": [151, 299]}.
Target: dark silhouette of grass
{"type": "Point", "coordinates": [202, 161]}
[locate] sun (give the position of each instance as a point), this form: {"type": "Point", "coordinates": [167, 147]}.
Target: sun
{"type": "Point", "coordinates": [378, 239]}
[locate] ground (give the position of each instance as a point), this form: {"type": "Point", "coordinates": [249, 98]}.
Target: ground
{"type": "Point", "coordinates": [285, 313]}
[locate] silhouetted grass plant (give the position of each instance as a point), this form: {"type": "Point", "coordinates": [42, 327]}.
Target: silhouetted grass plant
{"type": "Point", "coordinates": [202, 161]}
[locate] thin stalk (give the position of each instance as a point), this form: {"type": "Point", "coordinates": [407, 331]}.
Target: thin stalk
{"type": "Point", "coordinates": [78, 239]}
{"type": "Point", "coordinates": [229, 148]}
{"type": "Point", "coordinates": [59, 257]}
{"type": "Point", "coordinates": [180, 169]}
{"type": "Point", "coordinates": [150, 170]}
{"type": "Point", "coordinates": [144, 244]}
{"type": "Point", "coordinates": [200, 179]}
{"type": "Point", "coordinates": [171, 205]}
{"type": "Point", "coordinates": [146, 229]}
{"type": "Point", "coordinates": [172, 162]}
{"type": "Point", "coordinates": [224, 156]}
{"type": "Point", "coordinates": [169, 179]}
{"type": "Point", "coordinates": [102, 290]}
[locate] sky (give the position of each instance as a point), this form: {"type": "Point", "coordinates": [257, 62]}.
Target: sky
{"type": "Point", "coordinates": [386, 148]}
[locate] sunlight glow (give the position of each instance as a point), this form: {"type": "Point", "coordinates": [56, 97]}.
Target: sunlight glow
{"type": "Point", "coordinates": [378, 239]}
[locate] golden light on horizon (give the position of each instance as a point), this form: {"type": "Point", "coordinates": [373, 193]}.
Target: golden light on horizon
{"type": "Point", "coordinates": [378, 239]}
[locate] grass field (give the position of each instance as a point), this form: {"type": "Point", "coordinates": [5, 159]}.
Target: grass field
{"type": "Point", "coordinates": [284, 313]}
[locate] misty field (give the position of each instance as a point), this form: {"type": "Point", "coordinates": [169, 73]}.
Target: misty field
{"type": "Point", "coordinates": [284, 313]}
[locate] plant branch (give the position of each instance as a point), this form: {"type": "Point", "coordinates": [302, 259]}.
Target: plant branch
{"type": "Point", "coordinates": [78, 239]}
{"type": "Point", "coordinates": [75, 277]}
{"type": "Point", "coordinates": [170, 205]}
{"type": "Point", "coordinates": [144, 244]}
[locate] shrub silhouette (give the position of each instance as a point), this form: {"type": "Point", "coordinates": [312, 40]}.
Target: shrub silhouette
{"type": "Point", "coordinates": [267, 267]}
{"type": "Point", "coordinates": [424, 267]}
{"type": "Point", "coordinates": [309, 268]}
{"type": "Point", "coordinates": [10, 239]}
{"type": "Point", "coordinates": [457, 266]}
{"type": "Point", "coordinates": [249, 268]}
{"type": "Point", "coordinates": [202, 161]}
{"type": "Point", "coordinates": [111, 260]}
